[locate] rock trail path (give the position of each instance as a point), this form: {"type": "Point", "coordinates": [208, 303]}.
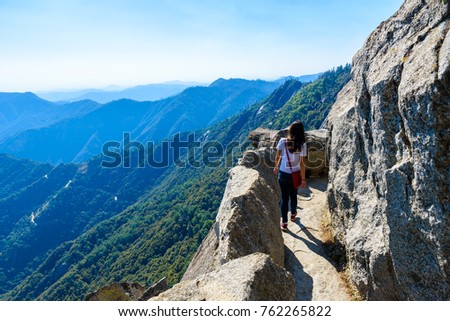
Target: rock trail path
{"type": "Point", "coordinates": [316, 276]}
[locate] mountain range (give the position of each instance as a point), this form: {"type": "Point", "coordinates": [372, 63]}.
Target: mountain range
{"type": "Point", "coordinates": [79, 138]}
{"type": "Point", "coordinates": [149, 92]}
{"type": "Point", "coordinates": [22, 111]}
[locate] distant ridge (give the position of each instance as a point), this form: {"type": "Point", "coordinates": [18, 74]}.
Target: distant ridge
{"type": "Point", "coordinates": [150, 92]}
{"type": "Point", "coordinates": [304, 78]}
{"type": "Point", "coordinates": [25, 111]}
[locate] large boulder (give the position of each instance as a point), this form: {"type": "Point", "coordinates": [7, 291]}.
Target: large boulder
{"type": "Point", "coordinates": [389, 164]}
{"type": "Point", "coordinates": [250, 278]}
{"type": "Point", "coordinates": [317, 160]}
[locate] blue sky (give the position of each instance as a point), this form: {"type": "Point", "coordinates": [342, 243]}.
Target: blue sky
{"type": "Point", "coordinates": [48, 45]}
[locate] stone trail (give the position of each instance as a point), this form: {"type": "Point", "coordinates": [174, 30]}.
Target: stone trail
{"type": "Point", "coordinates": [316, 276]}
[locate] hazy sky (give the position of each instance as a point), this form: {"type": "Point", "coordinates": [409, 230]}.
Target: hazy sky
{"type": "Point", "coordinates": [47, 45]}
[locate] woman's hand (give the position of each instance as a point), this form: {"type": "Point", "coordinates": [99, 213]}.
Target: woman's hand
{"type": "Point", "coordinates": [303, 183]}
{"type": "Point", "coordinates": [277, 162]}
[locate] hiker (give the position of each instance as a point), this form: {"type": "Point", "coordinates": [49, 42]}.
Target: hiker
{"type": "Point", "coordinates": [290, 168]}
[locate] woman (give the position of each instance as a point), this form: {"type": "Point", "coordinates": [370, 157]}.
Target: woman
{"type": "Point", "coordinates": [290, 158]}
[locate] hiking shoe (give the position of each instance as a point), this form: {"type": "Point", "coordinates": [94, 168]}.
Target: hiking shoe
{"type": "Point", "coordinates": [283, 226]}
{"type": "Point", "coordinates": [293, 216]}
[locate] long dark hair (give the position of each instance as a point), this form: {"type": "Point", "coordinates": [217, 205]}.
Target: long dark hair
{"type": "Point", "coordinates": [296, 137]}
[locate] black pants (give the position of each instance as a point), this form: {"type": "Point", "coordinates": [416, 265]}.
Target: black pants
{"type": "Point", "coordinates": [287, 192]}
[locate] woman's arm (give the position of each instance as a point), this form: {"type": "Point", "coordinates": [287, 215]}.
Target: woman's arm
{"type": "Point", "coordinates": [277, 162]}
{"type": "Point", "coordinates": [303, 171]}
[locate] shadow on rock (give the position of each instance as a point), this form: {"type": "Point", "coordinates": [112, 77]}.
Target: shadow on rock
{"type": "Point", "coordinates": [317, 246]}
{"type": "Point", "coordinates": [304, 282]}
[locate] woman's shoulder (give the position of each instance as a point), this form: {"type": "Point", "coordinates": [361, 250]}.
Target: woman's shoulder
{"type": "Point", "coordinates": [281, 143]}
{"type": "Point", "coordinates": [283, 140]}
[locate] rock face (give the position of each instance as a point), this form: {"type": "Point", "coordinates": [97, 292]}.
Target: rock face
{"type": "Point", "coordinates": [389, 164]}
{"type": "Point", "coordinates": [254, 277]}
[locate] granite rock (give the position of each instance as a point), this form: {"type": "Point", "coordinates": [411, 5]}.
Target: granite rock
{"type": "Point", "coordinates": [389, 165]}
{"type": "Point", "coordinates": [254, 277]}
